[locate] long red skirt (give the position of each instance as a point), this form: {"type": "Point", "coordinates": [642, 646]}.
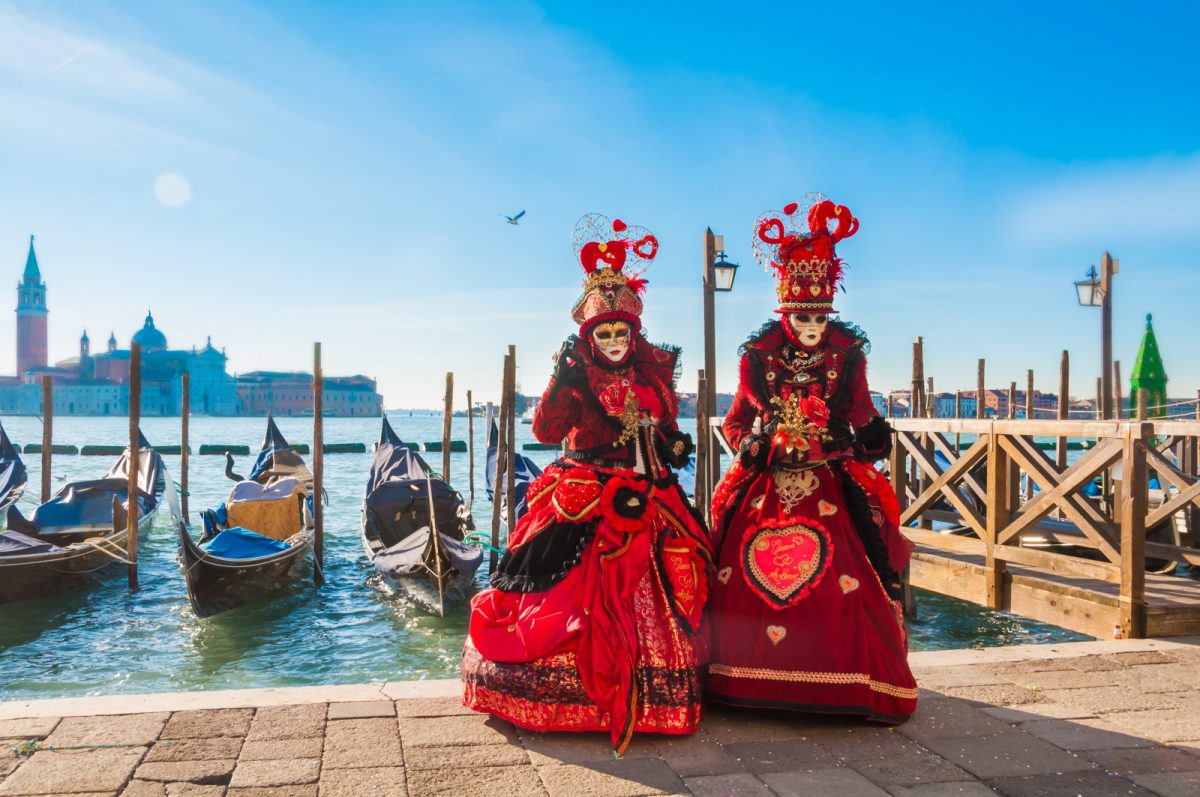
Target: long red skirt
{"type": "Point", "coordinates": [618, 644]}
{"type": "Point", "coordinates": [800, 618]}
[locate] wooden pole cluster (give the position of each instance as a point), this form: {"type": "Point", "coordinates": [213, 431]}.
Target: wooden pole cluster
{"type": "Point", "coordinates": [471, 447]}
{"type": "Point", "coordinates": [185, 412]}
{"type": "Point", "coordinates": [318, 449]}
{"type": "Point", "coordinates": [1064, 405]}
{"type": "Point", "coordinates": [916, 399]}
{"type": "Point", "coordinates": [135, 418]}
{"type": "Point", "coordinates": [504, 480]}
{"type": "Point", "coordinates": [447, 420]}
{"type": "Point", "coordinates": [47, 433]}
{"type": "Point", "coordinates": [980, 400]}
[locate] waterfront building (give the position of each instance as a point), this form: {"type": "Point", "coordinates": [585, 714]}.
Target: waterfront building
{"type": "Point", "coordinates": [32, 350]}
{"type": "Point", "coordinates": [1148, 373]}
{"type": "Point", "coordinates": [291, 393]}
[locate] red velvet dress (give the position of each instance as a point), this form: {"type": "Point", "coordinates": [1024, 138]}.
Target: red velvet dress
{"type": "Point", "coordinates": [594, 618]}
{"type": "Point", "coordinates": [807, 541]}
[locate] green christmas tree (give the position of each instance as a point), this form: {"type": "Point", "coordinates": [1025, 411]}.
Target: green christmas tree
{"type": "Point", "coordinates": [1148, 373]}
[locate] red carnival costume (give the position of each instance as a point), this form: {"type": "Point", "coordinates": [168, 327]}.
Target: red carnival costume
{"type": "Point", "coordinates": [594, 618]}
{"type": "Point", "coordinates": [805, 611]}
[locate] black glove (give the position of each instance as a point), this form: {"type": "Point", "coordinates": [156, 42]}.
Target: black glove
{"type": "Point", "coordinates": [568, 368]}
{"type": "Point", "coordinates": [840, 436]}
{"type": "Point", "coordinates": [676, 449]}
{"type": "Point", "coordinates": [754, 450]}
{"type": "Point", "coordinates": [873, 440]}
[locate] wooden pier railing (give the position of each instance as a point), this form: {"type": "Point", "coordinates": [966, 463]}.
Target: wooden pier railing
{"type": "Point", "coordinates": [1090, 544]}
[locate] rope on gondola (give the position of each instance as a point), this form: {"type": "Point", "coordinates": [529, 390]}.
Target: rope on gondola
{"type": "Point", "coordinates": [179, 488]}
{"type": "Point", "coordinates": [99, 542]}
{"type": "Point", "coordinates": [479, 538]}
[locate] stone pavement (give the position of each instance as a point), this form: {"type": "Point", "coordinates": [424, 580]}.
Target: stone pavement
{"type": "Point", "coordinates": [1092, 718]}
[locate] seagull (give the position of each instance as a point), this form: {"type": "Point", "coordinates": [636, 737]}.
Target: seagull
{"type": "Point", "coordinates": [514, 220]}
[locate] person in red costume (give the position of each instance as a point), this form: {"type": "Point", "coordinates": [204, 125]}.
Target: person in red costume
{"type": "Point", "coordinates": [806, 609]}
{"type": "Point", "coordinates": [594, 620]}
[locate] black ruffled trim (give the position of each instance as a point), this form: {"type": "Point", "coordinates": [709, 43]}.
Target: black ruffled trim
{"type": "Point", "coordinates": [873, 440]}
{"type": "Point", "coordinates": [759, 334]}
{"type": "Point", "coordinates": [872, 540]}
{"type": "Point", "coordinates": [855, 332]}
{"type": "Point", "coordinates": [545, 560]}
{"type": "Point", "coordinates": [677, 371]}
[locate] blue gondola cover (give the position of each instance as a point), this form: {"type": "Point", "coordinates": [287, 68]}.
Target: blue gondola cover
{"type": "Point", "coordinates": [239, 543]}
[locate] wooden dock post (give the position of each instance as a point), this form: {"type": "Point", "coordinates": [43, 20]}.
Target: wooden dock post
{"type": "Point", "coordinates": [447, 420]}
{"type": "Point", "coordinates": [957, 416]}
{"type": "Point", "coordinates": [891, 413]}
{"type": "Point", "coordinates": [1012, 400]}
{"type": "Point", "coordinates": [135, 418]}
{"type": "Point", "coordinates": [980, 401]}
{"type": "Point", "coordinates": [47, 433]}
{"type": "Point", "coordinates": [510, 481]}
{"type": "Point", "coordinates": [501, 465]}
{"type": "Point", "coordinates": [471, 448]}
{"type": "Point", "coordinates": [1133, 506]}
{"type": "Point", "coordinates": [703, 445]}
{"type": "Point", "coordinates": [318, 470]}
{"type": "Point", "coordinates": [1118, 399]}
{"type": "Point", "coordinates": [1030, 406]}
{"type": "Point", "coordinates": [1143, 398]}
{"type": "Point", "coordinates": [185, 411]}
{"type": "Point", "coordinates": [916, 401]}
{"type": "Point", "coordinates": [929, 396]}
{"type": "Point", "coordinates": [1099, 398]}
{"type": "Point", "coordinates": [1064, 405]}
{"type": "Point", "coordinates": [997, 518]}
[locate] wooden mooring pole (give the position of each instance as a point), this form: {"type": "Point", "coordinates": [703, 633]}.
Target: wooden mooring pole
{"type": "Point", "coordinates": [1117, 398]}
{"type": "Point", "coordinates": [135, 418]}
{"type": "Point", "coordinates": [703, 445]}
{"type": "Point", "coordinates": [980, 401]}
{"type": "Point", "coordinates": [185, 411]}
{"type": "Point", "coordinates": [1030, 407]}
{"type": "Point", "coordinates": [318, 449]}
{"type": "Point", "coordinates": [1064, 405]}
{"type": "Point", "coordinates": [501, 464]}
{"type": "Point", "coordinates": [47, 433]}
{"type": "Point", "coordinates": [1012, 400]}
{"type": "Point", "coordinates": [447, 420]}
{"type": "Point", "coordinates": [1143, 398]}
{"type": "Point", "coordinates": [510, 481]}
{"type": "Point", "coordinates": [471, 447]}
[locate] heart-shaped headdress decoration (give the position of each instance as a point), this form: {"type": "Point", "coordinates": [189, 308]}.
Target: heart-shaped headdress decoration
{"type": "Point", "coordinates": [613, 255]}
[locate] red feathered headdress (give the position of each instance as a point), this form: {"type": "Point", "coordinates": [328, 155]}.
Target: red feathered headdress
{"type": "Point", "coordinates": [799, 249]}
{"type": "Point", "coordinates": [613, 255]}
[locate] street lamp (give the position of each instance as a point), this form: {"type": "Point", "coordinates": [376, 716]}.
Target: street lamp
{"type": "Point", "coordinates": [724, 272]}
{"type": "Point", "coordinates": [718, 275]}
{"type": "Point", "coordinates": [1095, 290]}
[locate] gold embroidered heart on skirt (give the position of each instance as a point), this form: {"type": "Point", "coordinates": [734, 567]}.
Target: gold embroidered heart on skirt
{"type": "Point", "coordinates": [784, 560]}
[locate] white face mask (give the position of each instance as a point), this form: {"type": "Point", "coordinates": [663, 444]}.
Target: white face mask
{"type": "Point", "coordinates": [809, 329]}
{"type": "Point", "coordinates": [612, 339]}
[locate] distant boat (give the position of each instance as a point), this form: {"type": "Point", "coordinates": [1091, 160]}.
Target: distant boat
{"type": "Point", "coordinates": [257, 541]}
{"type": "Point", "coordinates": [414, 527]}
{"type": "Point", "coordinates": [78, 534]}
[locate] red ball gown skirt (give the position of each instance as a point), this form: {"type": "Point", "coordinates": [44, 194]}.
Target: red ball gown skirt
{"type": "Point", "coordinates": [595, 619]}
{"type": "Point", "coordinates": [800, 618]}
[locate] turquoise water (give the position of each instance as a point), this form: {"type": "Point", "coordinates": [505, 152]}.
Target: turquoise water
{"type": "Point", "coordinates": [106, 640]}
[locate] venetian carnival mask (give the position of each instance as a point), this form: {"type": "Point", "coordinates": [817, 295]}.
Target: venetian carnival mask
{"type": "Point", "coordinates": [612, 339]}
{"type": "Point", "coordinates": [809, 329]}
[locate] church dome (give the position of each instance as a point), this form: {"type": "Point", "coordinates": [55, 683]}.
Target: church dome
{"type": "Point", "coordinates": [149, 338]}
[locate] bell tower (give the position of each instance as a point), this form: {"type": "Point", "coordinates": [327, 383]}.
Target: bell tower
{"type": "Point", "coordinates": [32, 350]}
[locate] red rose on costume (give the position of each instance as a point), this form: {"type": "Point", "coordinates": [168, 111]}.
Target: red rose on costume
{"type": "Point", "coordinates": [815, 410]}
{"type": "Point", "coordinates": [623, 503]}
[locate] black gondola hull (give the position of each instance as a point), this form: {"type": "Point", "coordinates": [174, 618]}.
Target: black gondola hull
{"type": "Point", "coordinates": [217, 585]}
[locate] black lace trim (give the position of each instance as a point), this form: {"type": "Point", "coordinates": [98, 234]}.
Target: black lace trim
{"type": "Point", "coordinates": [872, 540]}
{"type": "Point", "coordinates": [545, 560]}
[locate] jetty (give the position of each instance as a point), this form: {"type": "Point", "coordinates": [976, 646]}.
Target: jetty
{"type": "Point", "coordinates": [1094, 718]}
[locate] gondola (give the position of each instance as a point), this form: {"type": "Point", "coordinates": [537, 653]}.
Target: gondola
{"type": "Point", "coordinates": [12, 473]}
{"type": "Point", "coordinates": [524, 471]}
{"type": "Point", "coordinates": [414, 526]}
{"type": "Point", "coordinates": [258, 540]}
{"type": "Point", "coordinates": [80, 532]}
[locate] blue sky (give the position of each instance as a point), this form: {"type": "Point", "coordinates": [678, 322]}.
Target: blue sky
{"type": "Point", "coordinates": [346, 166]}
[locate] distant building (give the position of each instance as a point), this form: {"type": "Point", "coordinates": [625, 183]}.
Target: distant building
{"type": "Point", "coordinates": [291, 393]}
{"type": "Point", "coordinates": [32, 350]}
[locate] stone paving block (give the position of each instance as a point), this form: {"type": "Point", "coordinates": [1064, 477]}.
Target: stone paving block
{"type": "Point", "coordinates": [1174, 677]}
{"type": "Point", "coordinates": [1096, 663]}
{"type": "Point", "coordinates": [942, 719]}
{"type": "Point", "coordinates": [1093, 783]}
{"type": "Point", "coordinates": [1143, 761]}
{"type": "Point", "coordinates": [53, 772]}
{"type": "Point", "coordinates": [838, 781]}
{"type": "Point", "coordinates": [752, 726]}
{"type": "Point", "coordinates": [697, 756]}
{"type": "Point", "coordinates": [996, 694]}
{"type": "Point", "coordinates": [971, 788]}
{"type": "Point", "coordinates": [25, 729]}
{"type": "Point", "coordinates": [302, 790]}
{"type": "Point", "coordinates": [942, 678]}
{"type": "Point", "coordinates": [9, 760]}
{"type": "Point", "coordinates": [1006, 754]}
{"type": "Point", "coordinates": [153, 788]}
{"type": "Point", "coordinates": [911, 765]}
{"type": "Point", "coordinates": [208, 723]}
{"type": "Point", "coordinates": [476, 755]}
{"type": "Point", "coordinates": [448, 731]}
{"type": "Point", "coordinates": [1031, 712]}
{"type": "Point", "coordinates": [1105, 699]}
{"type": "Point", "coordinates": [623, 778]}
{"type": "Point", "coordinates": [1192, 746]}
{"type": "Point", "coordinates": [738, 785]}
{"type": "Point", "coordinates": [288, 722]}
{"type": "Point", "coordinates": [867, 742]}
{"type": "Point", "coordinates": [361, 709]}
{"type": "Point", "coordinates": [1136, 657]}
{"type": "Point", "coordinates": [194, 749]}
{"type": "Point", "coordinates": [581, 748]}
{"type": "Point", "coordinates": [1086, 734]}
{"type": "Point", "coordinates": [1161, 725]}
{"type": "Point", "coordinates": [785, 755]}
{"type": "Point", "coordinates": [491, 781]}
{"type": "Point", "coordinates": [130, 729]}
{"type": "Point", "coordinates": [1004, 669]}
{"type": "Point", "coordinates": [1170, 784]}
{"type": "Point", "coordinates": [431, 707]}
{"type": "Point", "coordinates": [1064, 679]}
{"type": "Point", "coordinates": [212, 772]}
{"type": "Point", "coordinates": [263, 774]}
{"type": "Point", "coordinates": [372, 742]}
{"type": "Point", "coordinates": [282, 749]}
{"type": "Point", "coordinates": [375, 782]}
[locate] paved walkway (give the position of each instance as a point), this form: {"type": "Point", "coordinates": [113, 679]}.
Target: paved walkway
{"type": "Point", "coordinates": [1092, 718]}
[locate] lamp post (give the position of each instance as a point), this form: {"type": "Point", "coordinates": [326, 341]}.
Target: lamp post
{"type": "Point", "coordinates": [719, 274]}
{"type": "Point", "coordinates": [1095, 290]}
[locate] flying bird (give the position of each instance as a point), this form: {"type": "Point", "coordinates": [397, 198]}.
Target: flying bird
{"type": "Point", "coordinates": [514, 220]}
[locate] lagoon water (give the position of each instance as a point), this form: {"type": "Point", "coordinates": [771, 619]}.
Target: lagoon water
{"type": "Point", "coordinates": [107, 640]}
